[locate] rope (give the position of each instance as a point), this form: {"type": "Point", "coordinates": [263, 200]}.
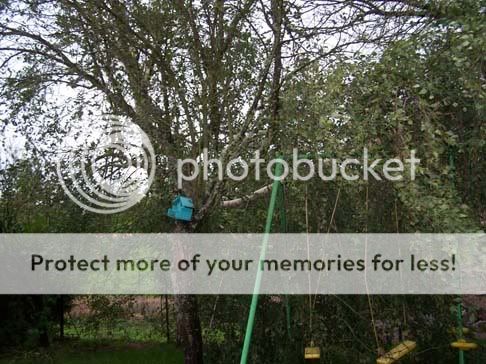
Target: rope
{"type": "Point", "coordinates": [328, 231]}
{"type": "Point", "coordinates": [308, 257]}
{"type": "Point", "coordinates": [404, 308]}
{"type": "Point", "coordinates": [370, 303]}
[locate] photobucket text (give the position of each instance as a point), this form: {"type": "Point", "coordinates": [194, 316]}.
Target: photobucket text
{"type": "Point", "coordinates": [300, 168]}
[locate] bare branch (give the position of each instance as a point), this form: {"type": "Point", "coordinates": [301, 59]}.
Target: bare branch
{"type": "Point", "coordinates": [238, 202]}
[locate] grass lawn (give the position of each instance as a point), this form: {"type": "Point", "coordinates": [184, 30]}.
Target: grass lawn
{"type": "Point", "coordinates": [80, 352]}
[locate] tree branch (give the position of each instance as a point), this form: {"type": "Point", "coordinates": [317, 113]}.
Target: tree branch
{"type": "Point", "coordinates": [237, 202]}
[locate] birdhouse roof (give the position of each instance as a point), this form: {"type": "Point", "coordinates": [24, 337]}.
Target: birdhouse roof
{"type": "Point", "coordinates": [184, 201]}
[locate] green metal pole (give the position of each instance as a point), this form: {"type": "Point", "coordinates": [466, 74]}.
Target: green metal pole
{"type": "Point", "coordinates": [258, 279]}
{"type": "Point", "coordinates": [282, 212]}
{"type": "Point", "coordinates": [459, 330]}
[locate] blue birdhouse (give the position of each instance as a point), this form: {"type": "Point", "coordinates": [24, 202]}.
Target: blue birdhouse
{"type": "Point", "coordinates": [181, 209]}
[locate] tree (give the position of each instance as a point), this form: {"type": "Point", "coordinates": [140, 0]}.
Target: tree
{"type": "Point", "coordinates": [194, 76]}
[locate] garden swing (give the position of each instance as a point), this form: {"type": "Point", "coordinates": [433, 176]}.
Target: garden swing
{"type": "Point", "coordinates": [182, 208]}
{"type": "Point", "coordinates": [277, 199]}
{"type": "Point", "coordinates": [405, 346]}
{"type": "Point", "coordinates": [461, 343]}
{"type": "Point", "coordinates": [311, 352]}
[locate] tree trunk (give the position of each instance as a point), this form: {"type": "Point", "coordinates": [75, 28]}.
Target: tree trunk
{"type": "Point", "coordinates": [188, 325]}
{"type": "Point", "coordinates": [189, 328]}
{"type": "Point", "coordinates": [40, 311]}
{"type": "Point", "coordinates": [60, 311]}
{"type": "Point", "coordinates": [277, 7]}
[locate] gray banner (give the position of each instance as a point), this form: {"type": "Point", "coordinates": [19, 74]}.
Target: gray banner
{"type": "Point", "coordinates": [228, 263]}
